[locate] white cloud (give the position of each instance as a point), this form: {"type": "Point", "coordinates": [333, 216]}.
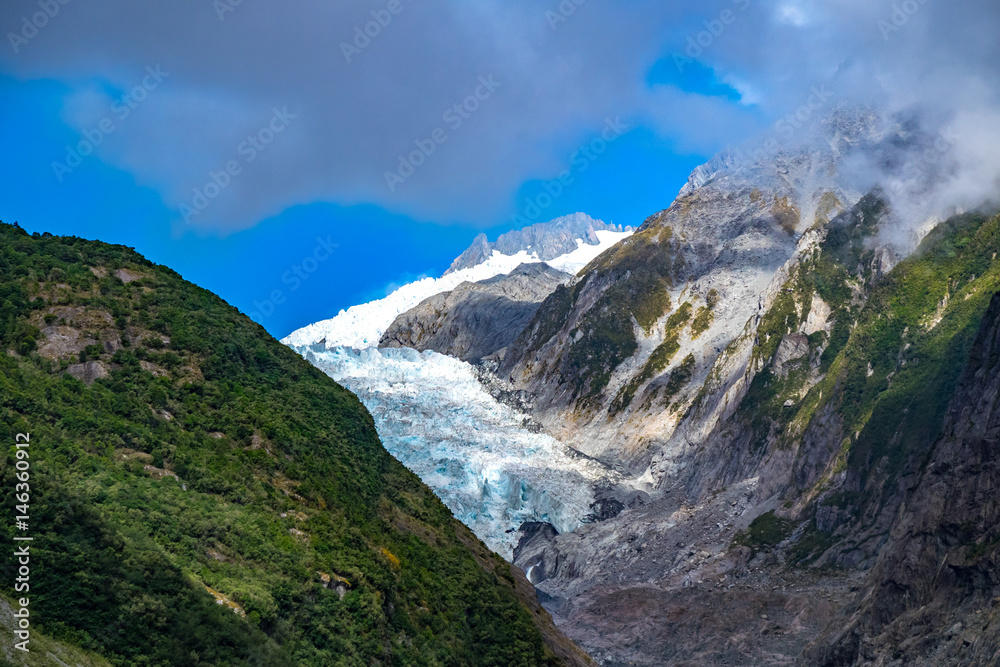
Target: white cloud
{"type": "Point", "coordinates": [749, 95]}
{"type": "Point", "coordinates": [558, 87]}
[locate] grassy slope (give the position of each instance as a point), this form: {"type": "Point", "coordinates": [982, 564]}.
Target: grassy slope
{"type": "Point", "coordinates": [895, 372]}
{"type": "Point", "coordinates": [214, 457]}
{"type": "Point", "coordinates": [916, 334]}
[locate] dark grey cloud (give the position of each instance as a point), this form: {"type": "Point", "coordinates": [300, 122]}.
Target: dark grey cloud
{"type": "Point", "coordinates": [352, 120]}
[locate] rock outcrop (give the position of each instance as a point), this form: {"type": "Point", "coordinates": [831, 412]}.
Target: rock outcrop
{"type": "Point", "coordinates": [774, 361]}
{"type": "Point", "coordinates": [809, 464]}
{"type": "Point", "coordinates": [932, 597]}
{"type": "Point", "coordinates": [476, 320]}
{"type": "Point", "coordinates": [617, 359]}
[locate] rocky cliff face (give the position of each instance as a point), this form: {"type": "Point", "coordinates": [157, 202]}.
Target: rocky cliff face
{"type": "Point", "coordinates": [671, 315]}
{"type": "Point", "coordinates": [476, 319]}
{"type": "Point", "coordinates": [833, 413]}
{"type": "Point", "coordinates": [619, 356]}
{"type": "Point", "coordinates": [546, 240]}
{"type": "Point", "coordinates": [772, 358]}
{"type": "Point", "coordinates": [931, 598]}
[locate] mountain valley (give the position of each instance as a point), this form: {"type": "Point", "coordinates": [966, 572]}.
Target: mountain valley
{"type": "Point", "coordinates": [757, 377]}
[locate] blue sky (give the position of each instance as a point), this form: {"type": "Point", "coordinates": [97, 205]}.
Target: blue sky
{"type": "Point", "coordinates": [292, 120]}
{"type": "Point", "coordinates": [374, 248]}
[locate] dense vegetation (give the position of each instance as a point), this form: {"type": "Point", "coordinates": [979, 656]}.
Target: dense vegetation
{"type": "Point", "coordinates": [900, 365]}
{"type": "Point", "coordinates": [840, 272]}
{"type": "Point", "coordinates": [181, 457]}
{"type": "Point", "coordinates": [634, 279]}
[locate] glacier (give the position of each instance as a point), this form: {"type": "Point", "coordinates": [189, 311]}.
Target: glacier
{"type": "Point", "coordinates": [434, 416]}
{"type": "Point", "coordinates": [362, 326]}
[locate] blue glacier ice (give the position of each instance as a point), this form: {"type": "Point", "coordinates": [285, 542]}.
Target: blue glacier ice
{"type": "Point", "coordinates": [435, 417]}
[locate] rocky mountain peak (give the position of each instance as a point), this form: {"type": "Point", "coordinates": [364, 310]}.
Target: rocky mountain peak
{"type": "Point", "coordinates": [544, 241]}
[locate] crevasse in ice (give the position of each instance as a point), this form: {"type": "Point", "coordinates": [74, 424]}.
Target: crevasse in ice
{"type": "Point", "coordinates": [434, 416]}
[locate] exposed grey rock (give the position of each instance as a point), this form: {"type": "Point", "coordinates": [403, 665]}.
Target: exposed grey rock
{"type": "Point", "coordinates": [793, 347]}
{"type": "Point", "coordinates": [732, 236]}
{"type": "Point", "coordinates": [665, 571]}
{"type": "Point", "coordinates": [534, 538]}
{"type": "Point", "coordinates": [939, 572]}
{"type": "Point", "coordinates": [547, 240]}
{"type": "Point", "coordinates": [637, 586]}
{"type": "Point", "coordinates": [157, 371]}
{"type": "Point", "coordinates": [63, 342]}
{"type": "Point", "coordinates": [661, 585]}
{"type": "Point", "coordinates": [737, 230]}
{"type": "Point", "coordinates": [480, 250]}
{"type": "Point", "coordinates": [476, 319]}
{"type": "Point", "coordinates": [89, 372]}
{"type": "Point", "coordinates": [127, 276]}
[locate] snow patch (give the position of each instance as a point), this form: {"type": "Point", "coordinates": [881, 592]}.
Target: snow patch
{"type": "Point", "coordinates": [584, 254]}
{"type": "Point", "coordinates": [435, 417]}
{"type": "Point", "coordinates": [362, 326]}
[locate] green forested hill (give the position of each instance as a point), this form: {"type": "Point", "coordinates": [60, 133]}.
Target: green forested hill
{"type": "Point", "coordinates": [182, 457]}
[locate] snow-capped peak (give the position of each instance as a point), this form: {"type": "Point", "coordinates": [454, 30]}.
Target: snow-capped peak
{"type": "Point", "coordinates": [362, 326]}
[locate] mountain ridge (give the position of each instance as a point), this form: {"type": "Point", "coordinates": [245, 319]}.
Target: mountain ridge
{"type": "Point", "coordinates": [545, 240]}
{"type": "Point", "coordinates": [476, 320]}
